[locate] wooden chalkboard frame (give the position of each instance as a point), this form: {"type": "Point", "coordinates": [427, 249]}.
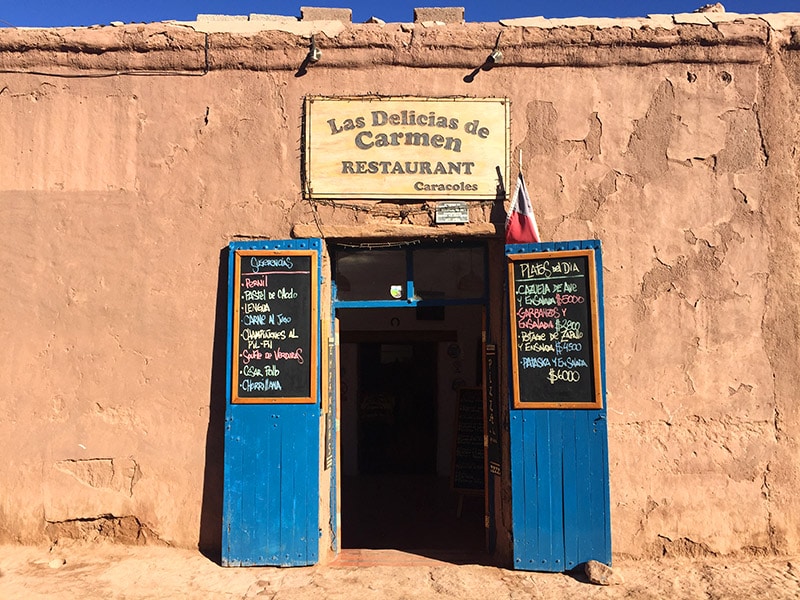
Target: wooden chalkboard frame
{"type": "Point", "coordinates": [596, 400]}
{"type": "Point", "coordinates": [313, 327]}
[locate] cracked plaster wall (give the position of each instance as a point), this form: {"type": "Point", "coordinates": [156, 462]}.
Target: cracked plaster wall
{"type": "Point", "coordinates": [676, 194]}
{"type": "Point", "coordinates": [117, 194]}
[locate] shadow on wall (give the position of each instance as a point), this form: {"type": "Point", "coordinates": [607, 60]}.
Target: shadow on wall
{"type": "Point", "coordinates": [210, 543]}
{"type": "Point", "coordinates": [498, 212]}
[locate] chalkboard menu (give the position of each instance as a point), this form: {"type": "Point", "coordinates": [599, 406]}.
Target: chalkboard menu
{"type": "Point", "coordinates": [554, 330]}
{"type": "Point", "coordinates": [274, 326]}
{"type": "Point", "coordinates": [468, 455]}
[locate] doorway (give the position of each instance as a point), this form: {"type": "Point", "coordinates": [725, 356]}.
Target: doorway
{"type": "Point", "coordinates": [411, 322]}
{"type": "Point", "coordinates": [400, 389]}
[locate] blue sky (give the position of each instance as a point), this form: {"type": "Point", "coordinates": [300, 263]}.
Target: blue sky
{"type": "Point", "coordinates": [54, 13]}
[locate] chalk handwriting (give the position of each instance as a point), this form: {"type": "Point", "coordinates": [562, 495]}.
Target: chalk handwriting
{"type": "Point", "coordinates": [551, 317]}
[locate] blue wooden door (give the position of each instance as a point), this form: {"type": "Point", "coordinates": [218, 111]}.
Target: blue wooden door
{"type": "Point", "coordinates": [271, 480]}
{"type": "Point", "coordinates": [559, 467]}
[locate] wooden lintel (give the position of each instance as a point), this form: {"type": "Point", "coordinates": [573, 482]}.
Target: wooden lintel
{"type": "Point", "coordinates": [384, 230]}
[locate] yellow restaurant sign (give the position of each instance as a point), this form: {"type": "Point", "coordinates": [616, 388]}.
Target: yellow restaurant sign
{"type": "Point", "coordinates": [403, 147]}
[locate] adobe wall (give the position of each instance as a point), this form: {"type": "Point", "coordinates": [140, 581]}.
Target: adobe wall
{"type": "Point", "coordinates": [130, 156]}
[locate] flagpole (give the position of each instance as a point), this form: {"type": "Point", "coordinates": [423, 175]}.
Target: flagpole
{"type": "Point", "coordinates": [521, 227]}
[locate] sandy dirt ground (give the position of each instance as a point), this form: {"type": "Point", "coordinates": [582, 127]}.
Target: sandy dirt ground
{"type": "Point", "coordinates": [125, 572]}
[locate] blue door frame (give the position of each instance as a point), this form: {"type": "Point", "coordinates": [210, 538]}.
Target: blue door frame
{"type": "Point", "coordinates": [271, 478]}
{"type": "Point", "coordinates": [559, 468]}
{"type": "Point", "coordinates": [411, 300]}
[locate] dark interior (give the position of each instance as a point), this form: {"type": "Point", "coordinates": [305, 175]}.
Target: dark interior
{"type": "Point", "coordinates": [397, 501]}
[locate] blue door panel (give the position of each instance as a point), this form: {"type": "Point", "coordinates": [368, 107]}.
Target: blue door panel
{"type": "Point", "coordinates": [271, 491]}
{"type": "Point", "coordinates": [546, 470]}
{"type": "Point", "coordinates": [571, 482]}
{"type": "Point", "coordinates": [583, 517]}
{"type": "Point", "coordinates": [559, 470]}
{"type": "Point", "coordinates": [600, 523]}
{"type": "Point", "coordinates": [271, 481]}
{"type": "Point", "coordinates": [519, 490]}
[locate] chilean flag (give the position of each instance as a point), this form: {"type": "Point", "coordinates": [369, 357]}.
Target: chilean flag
{"type": "Point", "coordinates": [520, 223]}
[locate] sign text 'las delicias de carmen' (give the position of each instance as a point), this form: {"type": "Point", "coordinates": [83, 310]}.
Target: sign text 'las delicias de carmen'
{"type": "Point", "coordinates": [406, 147]}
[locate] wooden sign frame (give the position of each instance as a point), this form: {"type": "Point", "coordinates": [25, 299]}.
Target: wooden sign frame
{"type": "Point", "coordinates": [596, 399]}
{"type": "Point", "coordinates": [448, 148]}
{"type": "Point", "coordinates": [313, 327]}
